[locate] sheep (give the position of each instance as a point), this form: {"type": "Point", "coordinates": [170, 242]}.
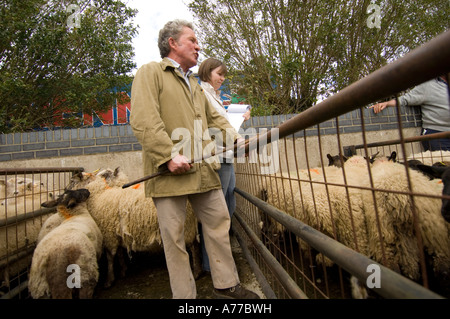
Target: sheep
{"type": "Point", "coordinates": [77, 241]}
{"type": "Point", "coordinates": [18, 185]}
{"type": "Point", "coordinates": [443, 173]}
{"type": "Point", "coordinates": [339, 209]}
{"type": "Point", "coordinates": [6, 188]}
{"type": "Point", "coordinates": [111, 178]}
{"type": "Point", "coordinates": [22, 234]}
{"type": "Point", "coordinates": [395, 215]}
{"type": "Point", "coordinates": [327, 209]}
{"type": "Point", "coordinates": [390, 212]}
{"type": "Point", "coordinates": [336, 160]}
{"type": "Point", "coordinates": [432, 226]}
{"type": "Point", "coordinates": [127, 218]}
{"type": "Point", "coordinates": [442, 164]}
{"type": "Point", "coordinates": [26, 195]}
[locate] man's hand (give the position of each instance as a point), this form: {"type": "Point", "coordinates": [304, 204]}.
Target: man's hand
{"type": "Point", "coordinates": [179, 165]}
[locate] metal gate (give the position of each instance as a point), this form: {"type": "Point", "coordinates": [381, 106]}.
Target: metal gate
{"type": "Point", "coordinates": [311, 233]}
{"type": "Point", "coordinates": [21, 193]}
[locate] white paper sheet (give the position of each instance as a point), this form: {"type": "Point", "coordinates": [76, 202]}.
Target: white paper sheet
{"type": "Point", "coordinates": [235, 112]}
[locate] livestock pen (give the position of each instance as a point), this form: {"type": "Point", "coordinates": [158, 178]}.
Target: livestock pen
{"type": "Point", "coordinates": [309, 230]}
{"type": "Point", "coordinates": [312, 230]}
{"type": "Point", "coordinates": [21, 217]}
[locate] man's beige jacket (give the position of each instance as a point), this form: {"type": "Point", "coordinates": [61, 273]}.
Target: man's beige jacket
{"type": "Point", "coordinates": [167, 118]}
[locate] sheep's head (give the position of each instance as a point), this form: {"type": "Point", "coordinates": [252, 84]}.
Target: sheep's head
{"type": "Point", "coordinates": [444, 174]}
{"type": "Point", "coordinates": [16, 186]}
{"type": "Point", "coordinates": [392, 157]}
{"type": "Point", "coordinates": [336, 160]}
{"type": "Point", "coordinates": [80, 180]}
{"type": "Point", "coordinates": [113, 177]}
{"type": "Point", "coordinates": [69, 199]}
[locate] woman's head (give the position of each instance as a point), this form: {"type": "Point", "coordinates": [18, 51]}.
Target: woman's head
{"type": "Point", "coordinates": [212, 71]}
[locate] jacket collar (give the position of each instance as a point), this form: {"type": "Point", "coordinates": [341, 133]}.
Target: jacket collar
{"type": "Point", "coordinates": [209, 88]}
{"type": "Point", "coordinates": [168, 62]}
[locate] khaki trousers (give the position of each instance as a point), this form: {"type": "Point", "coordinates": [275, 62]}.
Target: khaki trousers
{"type": "Point", "coordinates": [211, 210]}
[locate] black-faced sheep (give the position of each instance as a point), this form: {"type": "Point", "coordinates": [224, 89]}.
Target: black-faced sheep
{"type": "Point", "coordinates": [127, 218]}
{"type": "Point", "coordinates": [23, 196]}
{"type": "Point", "coordinates": [76, 244]}
{"type": "Point", "coordinates": [443, 173]}
{"type": "Point", "coordinates": [321, 201]}
{"type": "Point", "coordinates": [336, 160]}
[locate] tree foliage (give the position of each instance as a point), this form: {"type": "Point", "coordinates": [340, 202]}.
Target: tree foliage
{"type": "Point", "coordinates": [283, 55]}
{"type": "Point", "coordinates": [49, 66]}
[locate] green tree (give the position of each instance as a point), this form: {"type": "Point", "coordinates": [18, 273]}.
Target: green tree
{"type": "Point", "coordinates": [283, 55]}
{"type": "Point", "coordinates": [50, 65]}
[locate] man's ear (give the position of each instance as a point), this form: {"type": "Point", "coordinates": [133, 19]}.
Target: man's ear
{"type": "Point", "coordinates": [172, 42]}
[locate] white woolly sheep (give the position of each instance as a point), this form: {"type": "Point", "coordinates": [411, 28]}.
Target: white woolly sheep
{"type": "Point", "coordinates": [394, 213]}
{"type": "Point", "coordinates": [397, 218]}
{"type": "Point", "coordinates": [127, 218]}
{"type": "Point", "coordinates": [15, 186]}
{"type": "Point", "coordinates": [325, 206]}
{"type": "Point", "coordinates": [76, 242]}
{"type": "Point", "coordinates": [7, 189]}
{"type": "Point", "coordinates": [110, 178]}
{"type": "Point", "coordinates": [26, 198]}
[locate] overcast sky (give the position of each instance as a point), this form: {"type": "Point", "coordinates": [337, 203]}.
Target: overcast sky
{"type": "Point", "coordinates": [151, 18]}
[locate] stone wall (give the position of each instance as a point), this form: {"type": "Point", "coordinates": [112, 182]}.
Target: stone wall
{"type": "Point", "coordinates": [113, 146]}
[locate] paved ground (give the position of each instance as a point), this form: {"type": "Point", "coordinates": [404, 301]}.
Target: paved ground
{"type": "Point", "coordinates": [147, 278]}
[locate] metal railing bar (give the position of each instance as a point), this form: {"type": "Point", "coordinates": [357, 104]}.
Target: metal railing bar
{"type": "Point", "coordinates": [405, 140]}
{"type": "Point", "coordinates": [26, 216]}
{"type": "Point", "coordinates": [16, 291]}
{"type": "Point", "coordinates": [393, 285]}
{"type": "Point", "coordinates": [8, 171]}
{"type": "Point", "coordinates": [285, 279]}
{"type": "Point", "coordinates": [265, 286]}
{"type": "Point", "coordinates": [16, 255]}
